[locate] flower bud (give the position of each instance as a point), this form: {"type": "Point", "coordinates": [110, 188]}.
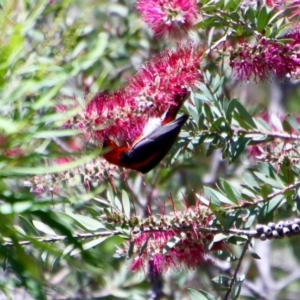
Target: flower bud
{"type": "Point", "coordinates": [259, 228]}
{"type": "Point", "coordinates": [271, 225]}
{"type": "Point", "coordinates": [267, 230]}
{"type": "Point", "coordinates": [286, 231]}
{"type": "Point", "coordinates": [288, 224]}
{"type": "Point", "coordinates": [297, 221]}
{"type": "Point", "coordinates": [262, 237]}
{"type": "Point", "coordinates": [295, 228]}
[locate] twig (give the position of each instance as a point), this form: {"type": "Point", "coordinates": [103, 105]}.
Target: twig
{"type": "Point", "coordinates": [249, 233]}
{"type": "Point", "coordinates": [220, 41]}
{"type": "Point", "coordinates": [268, 134]}
{"type": "Point", "coordinates": [270, 196]}
{"type": "Point", "coordinates": [293, 227]}
{"type": "Point", "coordinates": [272, 135]}
{"type": "Point", "coordinates": [64, 237]}
{"type": "Point", "coordinates": [237, 269]}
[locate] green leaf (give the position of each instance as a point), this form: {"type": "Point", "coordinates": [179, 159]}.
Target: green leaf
{"type": "Point", "coordinates": [17, 207]}
{"type": "Point", "coordinates": [44, 228]}
{"type": "Point", "coordinates": [86, 222]}
{"type": "Point", "coordinates": [230, 191]}
{"type": "Point", "coordinates": [222, 280]}
{"type": "Point", "coordinates": [210, 36]}
{"type": "Point", "coordinates": [262, 19]}
{"type": "Point", "coordinates": [219, 214]}
{"type": "Point", "coordinates": [244, 119]}
{"type": "Point", "coordinates": [250, 15]}
{"type": "Point", "coordinates": [200, 295]}
{"type": "Point", "coordinates": [253, 253]}
{"type": "Point", "coordinates": [270, 181]}
{"type": "Point", "coordinates": [50, 169]}
{"type": "Point", "coordinates": [224, 256]}
{"type": "Point", "coordinates": [192, 111]}
{"type": "Point", "coordinates": [89, 245]}
{"type": "Point", "coordinates": [126, 204]}
{"type": "Point", "coordinates": [208, 113]}
{"type": "Point", "coordinates": [237, 287]}
{"type": "Point", "coordinates": [237, 146]}
{"type": "Point", "coordinates": [216, 197]}
{"type": "Point", "coordinates": [219, 124]}
{"type": "Point", "coordinates": [266, 211]}
{"type": "Point", "coordinates": [230, 108]}
{"type": "Point", "coordinates": [293, 122]}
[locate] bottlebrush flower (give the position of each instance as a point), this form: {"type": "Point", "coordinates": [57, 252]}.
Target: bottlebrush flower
{"type": "Point", "coordinates": [166, 76]}
{"type": "Point", "coordinates": [115, 115]}
{"type": "Point", "coordinates": [95, 171]}
{"type": "Point", "coordinates": [168, 16]}
{"type": "Point", "coordinates": [267, 58]}
{"type": "Point", "coordinates": [122, 115]}
{"type": "Point", "coordinates": [175, 248]}
{"type": "Point", "coordinates": [273, 3]}
{"type": "Point", "coordinates": [189, 251]}
{"type": "Point", "coordinates": [118, 120]}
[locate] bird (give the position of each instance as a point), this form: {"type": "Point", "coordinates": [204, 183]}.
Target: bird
{"type": "Point", "coordinates": [156, 140]}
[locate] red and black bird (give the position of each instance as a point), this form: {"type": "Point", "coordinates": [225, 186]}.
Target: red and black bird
{"type": "Point", "coordinates": [152, 146]}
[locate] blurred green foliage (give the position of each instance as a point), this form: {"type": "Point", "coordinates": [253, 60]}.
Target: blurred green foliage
{"type": "Point", "coordinates": [52, 52]}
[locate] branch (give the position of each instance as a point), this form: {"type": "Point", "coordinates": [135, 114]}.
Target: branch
{"type": "Point", "coordinates": [220, 41]}
{"type": "Point", "coordinates": [272, 135]}
{"type": "Point", "coordinates": [64, 237]}
{"type": "Point", "coordinates": [283, 229]}
{"type": "Point", "coordinates": [237, 269]}
{"type": "Point", "coordinates": [270, 196]}
{"type": "Point", "coordinates": [268, 134]}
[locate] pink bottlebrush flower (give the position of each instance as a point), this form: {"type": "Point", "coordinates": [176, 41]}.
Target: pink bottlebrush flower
{"type": "Point", "coordinates": [157, 263]}
{"type": "Point", "coordinates": [121, 116]}
{"type": "Point", "coordinates": [268, 58]}
{"type": "Point", "coordinates": [167, 76]}
{"type": "Point", "coordinates": [171, 249]}
{"type": "Point", "coordinates": [254, 152]}
{"type": "Point", "coordinates": [270, 3]}
{"type": "Point", "coordinates": [168, 16]}
{"type": "Point", "coordinates": [137, 265]}
{"type": "Point", "coordinates": [273, 3]}
{"type": "Point", "coordinates": [113, 115]}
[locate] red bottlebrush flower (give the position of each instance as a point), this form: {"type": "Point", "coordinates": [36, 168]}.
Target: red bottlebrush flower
{"type": "Point", "coordinates": [137, 264]}
{"type": "Point", "coordinates": [121, 119]}
{"type": "Point", "coordinates": [163, 82]}
{"type": "Point", "coordinates": [168, 16]}
{"type": "Point", "coordinates": [113, 115]}
{"type": "Point", "coordinates": [268, 58]}
{"type": "Point", "coordinates": [272, 3]}
{"type": "Point", "coordinates": [171, 250]}
{"type": "Point", "coordinates": [175, 248]}
{"type": "Point", "coordinates": [167, 76]}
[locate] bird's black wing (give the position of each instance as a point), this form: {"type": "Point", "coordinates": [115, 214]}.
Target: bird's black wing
{"type": "Point", "coordinates": [149, 151]}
